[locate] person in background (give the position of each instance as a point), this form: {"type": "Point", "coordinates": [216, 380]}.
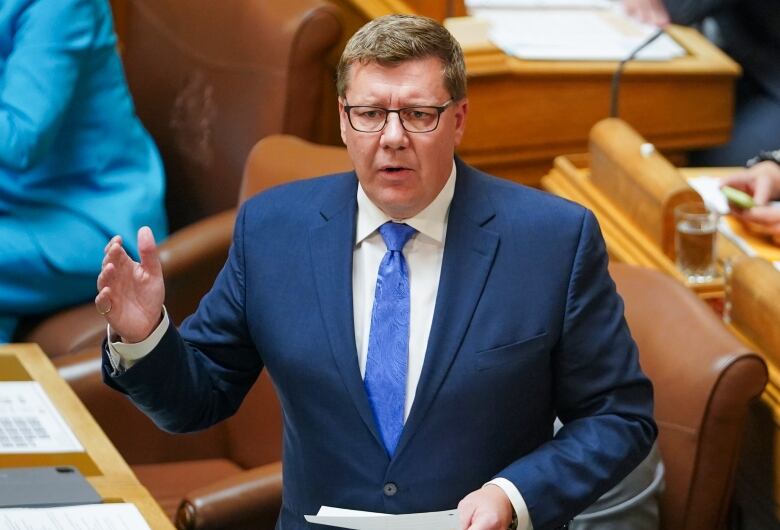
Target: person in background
{"type": "Point", "coordinates": [422, 322]}
{"type": "Point", "coordinates": [761, 180]}
{"type": "Point", "coordinates": [748, 31]}
{"type": "Point", "coordinates": [76, 165]}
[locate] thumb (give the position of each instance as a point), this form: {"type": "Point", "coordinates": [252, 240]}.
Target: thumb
{"type": "Point", "coordinates": [147, 250]}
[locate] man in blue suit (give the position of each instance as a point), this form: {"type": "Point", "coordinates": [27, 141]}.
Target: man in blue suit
{"type": "Point", "coordinates": [76, 165]}
{"type": "Point", "coordinates": [423, 322]}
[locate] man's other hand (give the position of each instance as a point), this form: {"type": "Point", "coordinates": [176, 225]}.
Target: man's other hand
{"type": "Point", "coordinates": [762, 182]}
{"type": "Point", "coordinates": [131, 294]}
{"type": "Point", "coordinates": [648, 11]}
{"type": "Point", "coordinates": [485, 509]}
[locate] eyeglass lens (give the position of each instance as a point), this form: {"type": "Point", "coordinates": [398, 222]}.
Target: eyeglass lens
{"type": "Point", "coordinates": [413, 119]}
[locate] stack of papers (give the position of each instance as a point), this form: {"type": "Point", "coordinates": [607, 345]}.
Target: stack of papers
{"type": "Point", "coordinates": [118, 516]}
{"type": "Point", "coordinates": [585, 30]}
{"type": "Point", "coordinates": [538, 4]}
{"type": "Point", "coordinates": [357, 520]}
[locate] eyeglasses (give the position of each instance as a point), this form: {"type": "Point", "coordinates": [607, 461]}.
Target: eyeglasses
{"type": "Point", "coordinates": [422, 119]}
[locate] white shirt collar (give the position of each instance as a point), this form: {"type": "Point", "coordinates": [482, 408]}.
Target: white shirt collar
{"type": "Point", "coordinates": [430, 222]}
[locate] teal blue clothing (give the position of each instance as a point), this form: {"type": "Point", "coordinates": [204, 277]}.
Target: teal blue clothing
{"type": "Point", "coordinates": [76, 165]}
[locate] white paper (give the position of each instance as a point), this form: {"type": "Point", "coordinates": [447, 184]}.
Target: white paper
{"type": "Point", "coordinates": [537, 4]}
{"type": "Point", "coordinates": [358, 520]}
{"type": "Point", "coordinates": [113, 516]}
{"type": "Point", "coordinates": [29, 422]}
{"type": "Point", "coordinates": [574, 34]}
{"type": "Point", "coordinates": [709, 190]}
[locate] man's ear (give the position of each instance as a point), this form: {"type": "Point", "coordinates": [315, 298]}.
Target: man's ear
{"type": "Point", "coordinates": [461, 109]}
{"type": "Point", "coordinates": [343, 122]}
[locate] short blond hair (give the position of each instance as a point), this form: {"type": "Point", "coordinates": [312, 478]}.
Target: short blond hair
{"type": "Point", "coordinates": [393, 39]}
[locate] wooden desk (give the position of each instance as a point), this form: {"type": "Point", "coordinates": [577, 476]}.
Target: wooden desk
{"type": "Point", "coordinates": [102, 465]}
{"type": "Point", "coordinates": [524, 113]}
{"type": "Point", "coordinates": [626, 241]}
{"type": "Point", "coordinates": [758, 476]}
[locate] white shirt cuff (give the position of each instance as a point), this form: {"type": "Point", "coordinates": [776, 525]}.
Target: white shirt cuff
{"type": "Point", "coordinates": [124, 355]}
{"type": "Point", "coordinates": [518, 503]}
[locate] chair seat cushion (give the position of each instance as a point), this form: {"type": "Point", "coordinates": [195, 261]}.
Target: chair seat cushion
{"type": "Point", "coordinates": [168, 482]}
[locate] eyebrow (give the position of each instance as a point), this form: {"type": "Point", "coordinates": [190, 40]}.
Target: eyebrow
{"type": "Point", "coordinates": [401, 106]}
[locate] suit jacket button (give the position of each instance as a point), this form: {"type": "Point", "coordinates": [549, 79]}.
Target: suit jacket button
{"type": "Point", "coordinates": [390, 489]}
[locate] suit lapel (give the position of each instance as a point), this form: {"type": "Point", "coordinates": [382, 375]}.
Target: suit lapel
{"type": "Point", "coordinates": [331, 248]}
{"type": "Point", "coordinates": [468, 257]}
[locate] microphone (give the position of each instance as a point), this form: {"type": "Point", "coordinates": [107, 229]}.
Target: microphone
{"type": "Point", "coordinates": [613, 100]}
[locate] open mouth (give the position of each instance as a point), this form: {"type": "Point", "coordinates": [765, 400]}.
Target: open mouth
{"type": "Point", "coordinates": [393, 169]}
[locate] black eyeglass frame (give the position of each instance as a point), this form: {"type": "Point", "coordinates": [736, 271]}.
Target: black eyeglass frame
{"type": "Point", "coordinates": [439, 109]}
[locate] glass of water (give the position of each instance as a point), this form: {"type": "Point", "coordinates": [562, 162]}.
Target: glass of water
{"type": "Point", "coordinates": [695, 231]}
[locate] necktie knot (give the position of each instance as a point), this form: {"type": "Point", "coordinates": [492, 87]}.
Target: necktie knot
{"type": "Point", "coordinates": [396, 235]}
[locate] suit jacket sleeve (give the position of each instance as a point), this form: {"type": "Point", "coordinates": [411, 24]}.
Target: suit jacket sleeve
{"type": "Point", "coordinates": [600, 394]}
{"type": "Point", "coordinates": [181, 386]}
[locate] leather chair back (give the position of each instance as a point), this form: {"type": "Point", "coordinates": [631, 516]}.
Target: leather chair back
{"type": "Point", "coordinates": [212, 78]}
{"type": "Point", "coordinates": [704, 379]}
{"type": "Point", "coordinates": [280, 158]}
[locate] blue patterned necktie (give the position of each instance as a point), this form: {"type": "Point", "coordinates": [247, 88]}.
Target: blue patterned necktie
{"type": "Point", "coordinates": [388, 340]}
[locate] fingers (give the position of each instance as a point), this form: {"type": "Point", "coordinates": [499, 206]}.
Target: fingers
{"type": "Point", "coordinates": [659, 16]}
{"type": "Point", "coordinates": [766, 216]}
{"type": "Point", "coordinates": [103, 302]}
{"type": "Point", "coordinates": [647, 11]}
{"type": "Point", "coordinates": [465, 513]}
{"type": "Point", "coordinates": [147, 249]}
{"type": "Point", "coordinates": [630, 8]}
{"type": "Point", "coordinates": [740, 180]}
{"type": "Point", "coordinates": [115, 239]}
{"type": "Point", "coordinates": [763, 190]}
{"type": "Point", "coordinates": [485, 509]}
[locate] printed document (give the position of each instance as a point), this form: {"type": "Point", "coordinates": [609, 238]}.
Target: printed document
{"type": "Point", "coordinates": [357, 520]}
{"type": "Point", "coordinates": [112, 516]}
{"type": "Point", "coordinates": [29, 422]}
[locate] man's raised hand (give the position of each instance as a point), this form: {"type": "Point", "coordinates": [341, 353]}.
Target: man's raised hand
{"type": "Point", "coordinates": [131, 294]}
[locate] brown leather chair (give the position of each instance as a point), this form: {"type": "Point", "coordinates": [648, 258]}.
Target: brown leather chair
{"type": "Point", "coordinates": [704, 379]}
{"type": "Point", "coordinates": [229, 475]}
{"type": "Point", "coordinates": [209, 80]}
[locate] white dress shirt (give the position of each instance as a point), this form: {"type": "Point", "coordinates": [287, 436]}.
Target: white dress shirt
{"type": "Point", "coordinates": [424, 253]}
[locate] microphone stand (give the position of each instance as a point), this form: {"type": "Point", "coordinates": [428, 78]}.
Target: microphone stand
{"type": "Point", "coordinates": [613, 103]}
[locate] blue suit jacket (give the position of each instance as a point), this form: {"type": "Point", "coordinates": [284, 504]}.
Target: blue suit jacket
{"type": "Point", "coordinates": [76, 165]}
{"type": "Point", "coordinates": [527, 325]}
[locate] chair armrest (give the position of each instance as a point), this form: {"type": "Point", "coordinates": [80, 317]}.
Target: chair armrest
{"type": "Point", "coordinates": [204, 239]}
{"type": "Point", "coordinates": [69, 331]}
{"type": "Point", "coordinates": [251, 499]}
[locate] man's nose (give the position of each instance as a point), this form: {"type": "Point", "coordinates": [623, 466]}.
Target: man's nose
{"type": "Point", "coordinates": [394, 136]}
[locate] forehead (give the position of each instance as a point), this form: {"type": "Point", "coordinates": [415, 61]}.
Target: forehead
{"type": "Point", "coordinates": [414, 79]}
